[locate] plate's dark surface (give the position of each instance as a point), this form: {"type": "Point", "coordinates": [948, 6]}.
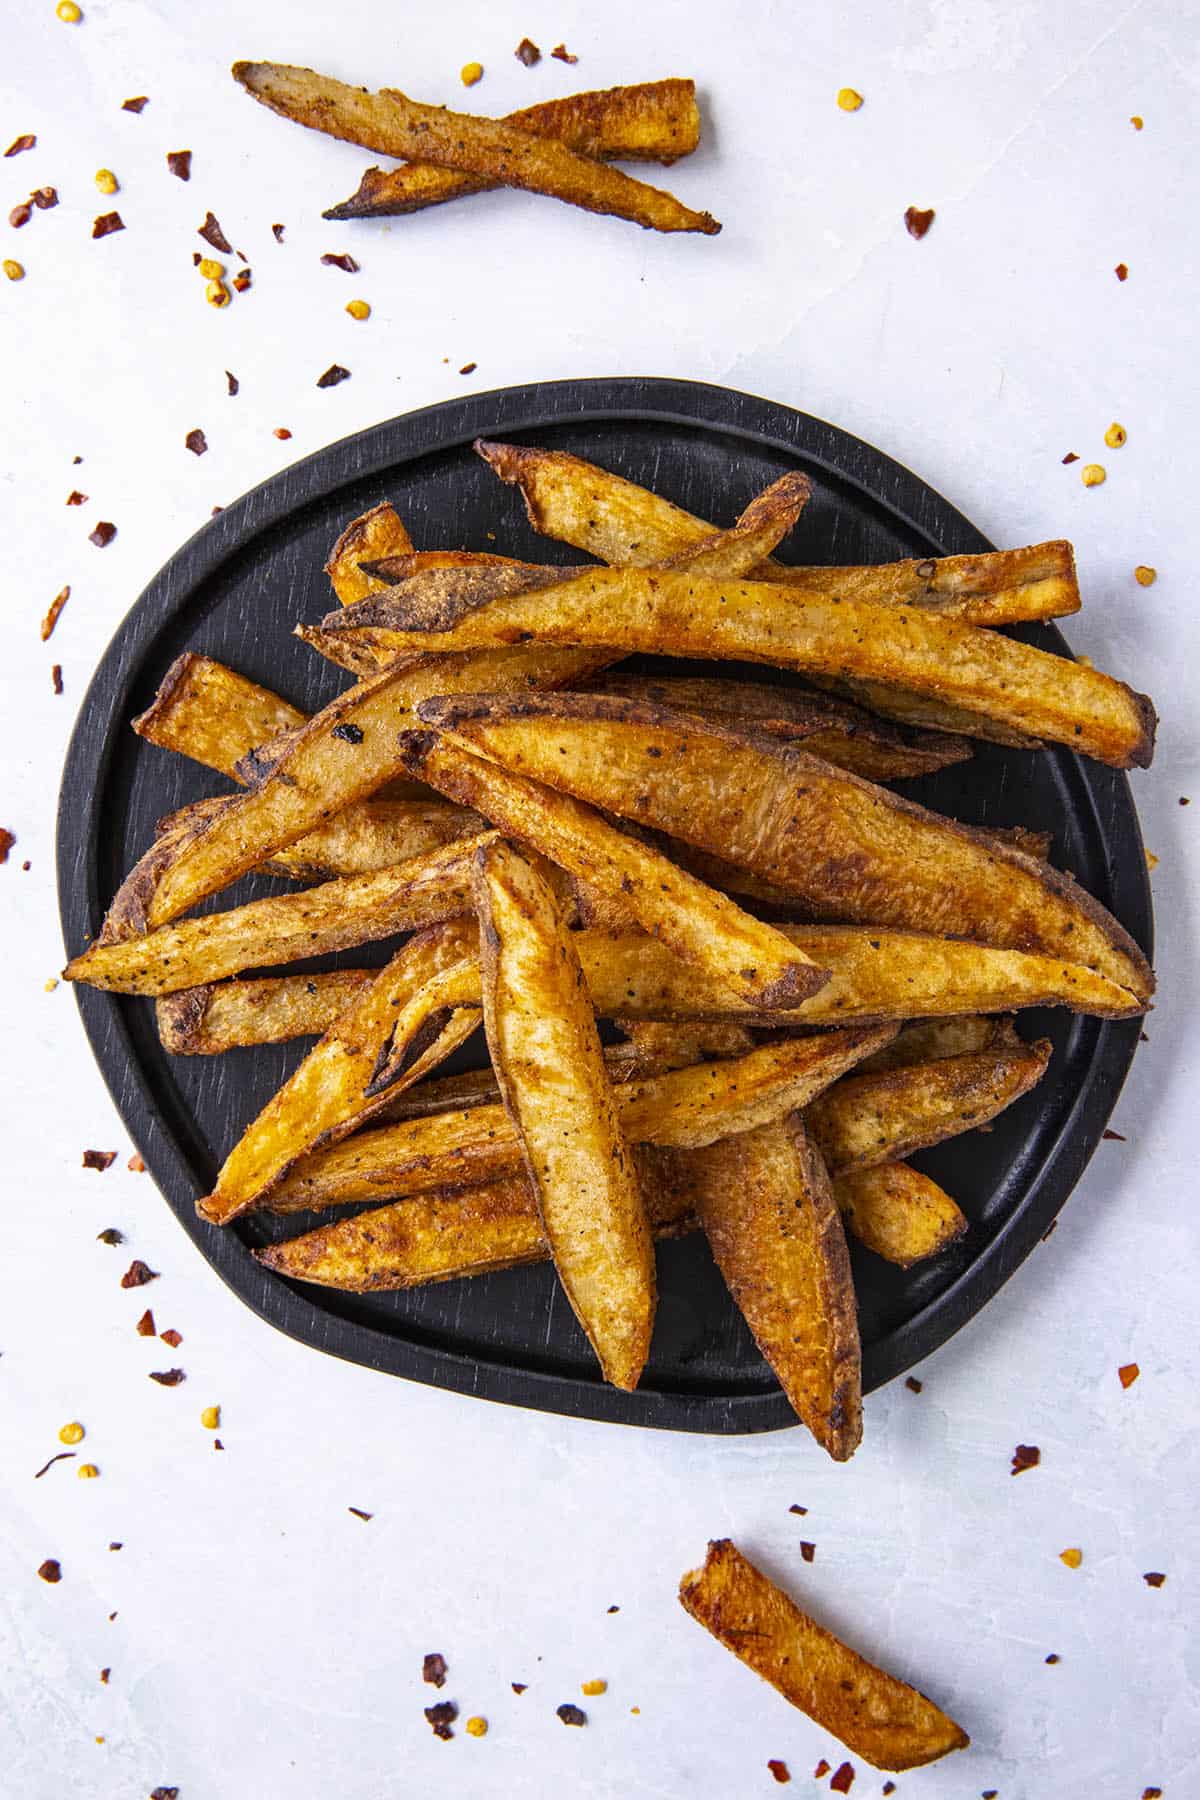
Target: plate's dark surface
{"type": "Point", "coordinates": [235, 592]}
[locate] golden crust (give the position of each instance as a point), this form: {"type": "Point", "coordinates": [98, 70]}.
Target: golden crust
{"type": "Point", "coordinates": [898, 1213]}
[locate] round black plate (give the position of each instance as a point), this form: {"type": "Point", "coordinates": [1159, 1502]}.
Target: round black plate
{"type": "Point", "coordinates": [235, 591]}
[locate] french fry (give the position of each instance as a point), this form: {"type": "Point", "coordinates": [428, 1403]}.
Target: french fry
{"type": "Point", "coordinates": [898, 1213]}
{"type": "Point", "coordinates": [214, 715]}
{"type": "Point", "coordinates": [629, 527]}
{"type": "Point", "coordinates": [395, 1029]}
{"type": "Point", "coordinates": [379, 532]}
{"type": "Point", "coordinates": [751, 963]}
{"type": "Point", "coordinates": [337, 915]}
{"type": "Point", "coordinates": [683, 1108]}
{"type": "Point", "coordinates": [546, 1053]}
{"type": "Point", "coordinates": [653, 121]}
{"type": "Point", "coordinates": [927, 1040]}
{"type": "Point", "coordinates": [842, 847]}
{"type": "Point", "coordinates": [492, 149]}
{"type": "Point", "coordinates": [766, 1205]}
{"type": "Point", "coordinates": [228, 1015]}
{"type": "Point", "coordinates": [880, 1118]}
{"type": "Point", "coordinates": [655, 1048]}
{"type": "Point", "coordinates": [878, 1717]}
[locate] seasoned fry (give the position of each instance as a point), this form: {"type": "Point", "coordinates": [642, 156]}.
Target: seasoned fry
{"type": "Point", "coordinates": [982, 673]}
{"type": "Point", "coordinates": [212, 714]}
{"type": "Point", "coordinates": [683, 1108]}
{"type": "Point", "coordinates": [393, 124]}
{"type": "Point", "coordinates": [845, 848]}
{"type": "Point", "coordinates": [628, 526]}
{"type": "Point", "coordinates": [655, 1047]}
{"type": "Point", "coordinates": [380, 532]}
{"type": "Point", "coordinates": [392, 1032]}
{"type": "Point", "coordinates": [842, 734]}
{"type": "Point", "coordinates": [879, 1118]}
{"type": "Point", "coordinates": [337, 915]}
{"type": "Point", "coordinates": [226, 1015]}
{"type": "Point", "coordinates": [901, 1215]}
{"type": "Point", "coordinates": [767, 1208]}
{"type": "Point", "coordinates": [878, 1717]}
{"type": "Point", "coordinates": [751, 963]}
{"type": "Point", "coordinates": [929, 1039]}
{"type": "Point", "coordinates": [653, 121]}
{"type": "Point", "coordinates": [546, 1053]}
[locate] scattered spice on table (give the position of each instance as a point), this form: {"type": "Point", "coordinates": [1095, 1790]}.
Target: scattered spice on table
{"type": "Point", "coordinates": [779, 1769]}
{"type": "Point", "coordinates": [821, 1769]}
{"type": "Point", "coordinates": [359, 1513]}
{"type": "Point", "coordinates": [468, 368]}
{"type": "Point", "coordinates": [56, 679]}
{"type": "Point", "coordinates": [145, 1326]}
{"type": "Point", "coordinates": [51, 1570]}
{"type": "Point", "coordinates": [21, 214]}
{"type": "Point", "coordinates": [842, 1779]}
{"type": "Point", "coordinates": [7, 840]}
{"type": "Point", "coordinates": [1128, 1374]}
{"type": "Point", "coordinates": [167, 1377]}
{"type": "Point", "coordinates": [212, 234]}
{"type": "Point", "coordinates": [136, 1165]}
{"type": "Point", "coordinates": [570, 1714]}
{"type": "Point", "coordinates": [1154, 1578]}
{"type": "Point", "coordinates": [1053, 1657]}
{"type": "Point", "coordinates": [231, 382]}
{"type": "Point", "coordinates": [913, 1385]}
{"type": "Point", "coordinates": [1072, 1557]}
{"type": "Point", "coordinates": [172, 1337]}
{"type": "Point", "coordinates": [1144, 575]}
{"type": "Point", "coordinates": [801, 1510]}
{"type": "Point", "coordinates": [592, 1688]}
{"type": "Point", "coordinates": [470, 73]}
{"type": "Point", "coordinates": [180, 163]}
{"type": "Point", "coordinates": [196, 441]}
{"type": "Point", "coordinates": [103, 534]}
{"type": "Point", "coordinates": [99, 1159]}
{"type": "Point", "coordinates": [138, 1274]}
{"type": "Point", "coordinates": [560, 53]}
{"type": "Point", "coordinates": [441, 1717]}
{"type": "Point", "coordinates": [527, 52]}
{"type": "Point", "coordinates": [1025, 1456]}
{"type": "Point", "coordinates": [917, 222]}
{"type": "Point", "coordinates": [1121, 272]}
{"type": "Point", "coordinates": [1114, 1137]}
{"type": "Point", "coordinates": [26, 141]}
{"type": "Point", "coordinates": [281, 431]}
{"type": "Point", "coordinates": [136, 104]}
{"type": "Point", "coordinates": [106, 223]}
{"type": "Point", "coordinates": [110, 1235]}
{"type": "Point", "coordinates": [332, 376]}
{"type": "Point", "coordinates": [210, 1418]}
{"type": "Point", "coordinates": [243, 281]}
{"type": "Point", "coordinates": [808, 1550]}
{"type": "Point", "coordinates": [340, 259]}
{"type": "Point", "coordinates": [62, 1456]}
{"type": "Point", "coordinates": [277, 232]}
{"type": "Point", "coordinates": [433, 1669]}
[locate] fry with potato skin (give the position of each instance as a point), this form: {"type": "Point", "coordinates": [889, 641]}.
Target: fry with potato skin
{"type": "Point", "coordinates": [546, 1053]}
{"type": "Point", "coordinates": [228, 1015]}
{"type": "Point", "coordinates": [878, 1717]}
{"type": "Point", "coordinates": [652, 121]}
{"type": "Point", "coordinates": [379, 532]}
{"type": "Point", "coordinates": [897, 1212]}
{"type": "Point", "coordinates": [767, 1208]}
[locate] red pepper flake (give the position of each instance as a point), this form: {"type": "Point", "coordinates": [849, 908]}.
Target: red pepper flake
{"type": "Point", "coordinates": [822, 1768]}
{"type": "Point", "coordinates": [75, 498]}
{"type": "Point", "coordinates": [196, 442]}
{"type": "Point", "coordinates": [468, 368]}
{"type": "Point", "coordinates": [106, 223]}
{"type": "Point", "coordinates": [145, 1326]}
{"type": "Point", "coordinates": [217, 1444]}
{"type": "Point", "coordinates": [212, 234]}
{"type": "Point", "coordinates": [1114, 1137]}
{"type": "Point", "coordinates": [1154, 1578]}
{"type": "Point", "coordinates": [570, 1714]}
{"type": "Point", "coordinates": [21, 214]}
{"type": "Point", "coordinates": [527, 52]}
{"type": "Point", "coordinates": [917, 223]}
{"type": "Point", "coordinates": [136, 104]}
{"type": "Point", "coordinates": [990, 1794]}
{"type": "Point", "coordinates": [63, 1456]}
{"type": "Point", "coordinates": [560, 53]}
{"type": "Point", "coordinates": [172, 1337]}
{"type": "Point", "coordinates": [1151, 1794]}
{"type": "Point", "coordinates": [136, 1165]}
{"type": "Point", "coordinates": [115, 1546]}
{"type": "Point", "coordinates": [808, 1551]}
{"type": "Point", "coordinates": [1025, 1456]}
{"type": "Point", "coordinates": [359, 1513]}
{"type": "Point", "coordinates": [779, 1770]}
{"type": "Point", "coordinates": [433, 1669]}
{"type": "Point", "coordinates": [56, 680]}
{"type": "Point", "coordinates": [842, 1779]}
{"type": "Point", "coordinates": [26, 141]}
{"type": "Point", "coordinates": [180, 163]}
{"type": "Point", "coordinates": [104, 1675]}
{"type": "Point", "coordinates": [165, 1793]}
{"type": "Point", "coordinates": [7, 840]}
{"type": "Point", "coordinates": [802, 1510]}
{"type": "Point", "coordinates": [340, 259]}
{"type": "Point", "coordinates": [25, 867]}
{"type": "Point", "coordinates": [243, 281]}
{"type": "Point", "coordinates": [44, 198]}
{"type": "Point", "coordinates": [1121, 272]}
{"type": "Point", "coordinates": [103, 535]}
{"type": "Point", "coordinates": [231, 382]}
{"type": "Point", "coordinates": [613, 1609]}
{"type": "Point", "coordinates": [137, 1274]}
{"type": "Point", "coordinates": [281, 431]}
{"type": "Point", "coordinates": [1071, 456]}
{"type": "Point", "coordinates": [889, 1787]}
{"type": "Point", "coordinates": [99, 1159]}
{"type": "Point", "coordinates": [913, 1385]}
{"type": "Point", "coordinates": [442, 1716]}
{"type": "Point", "coordinates": [56, 605]}
{"type": "Point", "coordinates": [110, 1235]}
{"type": "Point", "coordinates": [1128, 1374]}
{"type": "Point", "coordinates": [51, 1570]}
{"type": "Point", "coordinates": [1053, 1657]}
{"type": "Point", "coordinates": [333, 374]}
{"type": "Point", "coordinates": [277, 232]}
{"type": "Point", "coordinates": [167, 1377]}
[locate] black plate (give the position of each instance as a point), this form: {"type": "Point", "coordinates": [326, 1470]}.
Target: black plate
{"type": "Point", "coordinates": [235, 590]}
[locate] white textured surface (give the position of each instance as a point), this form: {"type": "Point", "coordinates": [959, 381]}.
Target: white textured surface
{"type": "Point", "coordinates": [266, 1642]}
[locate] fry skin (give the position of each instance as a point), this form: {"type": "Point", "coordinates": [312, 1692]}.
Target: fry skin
{"type": "Point", "coordinates": [898, 1213]}
{"type": "Point", "coordinates": [878, 1717]}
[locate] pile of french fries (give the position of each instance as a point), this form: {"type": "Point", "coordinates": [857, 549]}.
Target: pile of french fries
{"type": "Point", "coordinates": [815, 977]}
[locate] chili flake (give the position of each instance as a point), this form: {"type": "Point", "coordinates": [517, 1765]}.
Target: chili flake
{"type": "Point", "coordinates": [917, 223]}
{"type": "Point", "coordinates": [913, 1385]}
{"type": "Point", "coordinates": [106, 223]}
{"type": "Point", "coordinates": [138, 1274]}
{"type": "Point", "coordinates": [13, 270]}
{"type": "Point", "coordinates": [433, 1669]}
{"type": "Point", "coordinates": [212, 234]}
{"type": "Point", "coordinates": [99, 1159]}
{"type": "Point", "coordinates": [1128, 1374]}
{"type": "Point", "coordinates": [808, 1551]}
{"type": "Point", "coordinates": [180, 163]}
{"type": "Point", "coordinates": [103, 534]}
{"type": "Point", "coordinates": [1025, 1456]}
{"type": "Point", "coordinates": [243, 281]}
{"type": "Point", "coordinates": [56, 605]}
{"type": "Point", "coordinates": [277, 232]}
{"type": "Point", "coordinates": [44, 198]}
{"type": "Point", "coordinates": [172, 1337]}
{"type": "Point", "coordinates": [527, 52]}
{"type": "Point", "coordinates": [360, 1514]}
{"type": "Point", "coordinates": [441, 1716]}
{"type": "Point", "coordinates": [802, 1510]}
{"type": "Point", "coordinates": [7, 840]}
{"type": "Point", "coordinates": [110, 1235]}
{"type": "Point", "coordinates": [167, 1377]}
{"type": "Point", "coordinates": [333, 374]}
{"type": "Point", "coordinates": [842, 1779]}
{"type": "Point", "coordinates": [1071, 456]}
{"type": "Point", "coordinates": [281, 431]}
{"type": "Point", "coordinates": [1121, 272]}
{"type": "Point", "coordinates": [468, 368]}
{"type": "Point", "coordinates": [518, 1687]}
{"type": "Point", "coordinates": [196, 442]}
{"type": "Point", "coordinates": [560, 53]}
{"type": "Point", "coordinates": [26, 141]}
{"type": "Point", "coordinates": [571, 1714]}
{"type": "Point", "coordinates": [1144, 575]}
{"type": "Point", "coordinates": [136, 104]}
{"type": "Point", "coordinates": [136, 1165]}
{"type": "Point", "coordinates": [779, 1770]}
{"type": "Point", "coordinates": [1154, 1578]}
{"type": "Point", "coordinates": [1053, 1657]}
{"type": "Point", "coordinates": [145, 1326]}
{"type": "Point", "coordinates": [822, 1768]}
{"type": "Point", "coordinates": [341, 259]}
{"type": "Point", "coordinates": [51, 1570]}
{"type": "Point", "coordinates": [470, 73]}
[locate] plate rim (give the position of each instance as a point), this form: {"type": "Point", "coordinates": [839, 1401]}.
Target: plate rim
{"type": "Point", "coordinates": [373, 451]}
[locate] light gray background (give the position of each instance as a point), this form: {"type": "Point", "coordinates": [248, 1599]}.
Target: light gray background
{"type": "Point", "coordinates": [267, 1642]}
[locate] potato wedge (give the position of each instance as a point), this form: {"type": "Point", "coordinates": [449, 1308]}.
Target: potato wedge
{"type": "Point", "coordinates": [212, 714]}
{"type": "Point", "coordinates": [880, 1118]}
{"type": "Point", "coordinates": [751, 963]}
{"type": "Point", "coordinates": [229, 1015]}
{"type": "Point", "coordinates": [684, 1108]}
{"type": "Point", "coordinates": [929, 1039]}
{"type": "Point", "coordinates": [493, 149]}
{"type": "Point", "coordinates": [379, 532]}
{"type": "Point", "coordinates": [766, 1205]}
{"type": "Point", "coordinates": [546, 1053]}
{"type": "Point", "coordinates": [337, 915]}
{"type": "Point", "coordinates": [898, 1213]}
{"type": "Point", "coordinates": [841, 733]}
{"type": "Point", "coordinates": [655, 1048]}
{"type": "Point", "coordinates": [652, 121]}
{"type": "Point", "coordinates": [877, 1716]}
{"type": "Point", "coordinates": [392, 1033]}
{"type": "Point", "coordinates": [629, 526]}
{"type": "Point", "coordinates": [843, 847]}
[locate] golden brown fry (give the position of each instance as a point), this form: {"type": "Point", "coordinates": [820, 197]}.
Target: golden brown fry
{"type": "Point", "coordinates": [749, 960]}
{"type": "Point", "coordinates": [628, 526]}
{"type": "Point", "coordinates": [683, 1108]}
{"type": "Point", "coordinates": [767, 1208]}
{"type": "Point", "coordinates": [653, 121]}
{"type": "Point", "coordinates": [844, 848]}
{"type": "Point", "coordinates": [930, 1039]}
{"type": "Point", "coordinates": [380, 532]}
{"type": "Point", "coordinates": [493, 149]}
{"type": "Point", "coordinates": [392, 1032]}
{"type": "Point", "coordinates": [212, 714]}
{"type": "Point", "coordinates": [337, 915]}
{"type": "Point", "coordinates": [546, 1053]}
{"type": "Point", "coordinates": [898, 1213]}
{"type": "Point", "coordinates": [226, 1015]}
{"type": "Point", "coordinates": [841, 733]}
{"type": "Point", "coordinates": [874, 1119]}
{"type": "Point", "coordinates": [655, 1048]}
{"type": "Point", "coordinates": [878, 1717]}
